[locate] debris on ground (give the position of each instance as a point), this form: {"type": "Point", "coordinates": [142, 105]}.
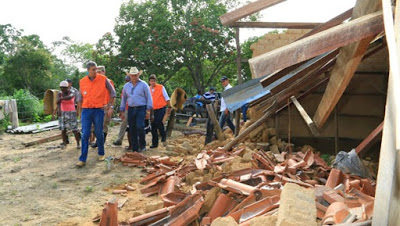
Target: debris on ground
{"type": "Point", "coordinates": [248, 186]}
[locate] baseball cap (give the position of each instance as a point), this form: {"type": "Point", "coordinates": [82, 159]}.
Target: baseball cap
{"type": "Point", "coordinates": [64, 84]}
{"type": "Point", "coordinates": [224, 78]}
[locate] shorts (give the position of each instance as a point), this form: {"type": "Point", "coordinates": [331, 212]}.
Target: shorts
{"type": "Point", "coordinates": [68, 121]}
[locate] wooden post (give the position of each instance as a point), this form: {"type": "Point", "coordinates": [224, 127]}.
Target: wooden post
{"type": "Point", "coordinates": [214, 121]}
{"type": "Point", "coordinates": [336, 132]}
{"type": "Point", "coordinates": [14, 114]}
{"type": "Point", "coordinates": [240, 79]}
{"type": "Point", "coordinates": [171, 122]}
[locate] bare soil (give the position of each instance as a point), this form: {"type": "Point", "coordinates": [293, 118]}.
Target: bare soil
{"type": "Point", "coordinates": [40, 185]}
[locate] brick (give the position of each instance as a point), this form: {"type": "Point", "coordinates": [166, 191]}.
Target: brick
{"type": "Point", "coordinates": [264, 220]}
{"type": "Point", "coordinates": [297, 206]}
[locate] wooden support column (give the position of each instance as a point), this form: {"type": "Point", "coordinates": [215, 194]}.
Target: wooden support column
{"type": "Point", "coordinates": [214, 121]}
{"type": "Point", "coordinates": [171, 123]}
{"type": "Point", "coordinates": [347, 62]}
{"type": "Point", "coordinates": [305, 116]}
{"type": "Point", "coordinates": [14, 114]}
{"type": "Point", "coordinates": [317, 44]}
{"type": "Point", "coordinates": [387, 195]}
{"type": "Point", "coordinates": [240, 79]}
{"type": "Point", "coordinates": [247, 10]}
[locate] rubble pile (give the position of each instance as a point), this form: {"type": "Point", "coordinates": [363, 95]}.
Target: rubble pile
{"type": "Point", "coordinates": [251, 187]}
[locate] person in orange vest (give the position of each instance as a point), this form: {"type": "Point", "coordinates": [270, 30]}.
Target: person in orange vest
{"type": "Point", "coordinates": [102, 70]}
{"type": "Point", "coordinates": [93, 88]}
{"type": "Point", "coordinates": [160, 102]}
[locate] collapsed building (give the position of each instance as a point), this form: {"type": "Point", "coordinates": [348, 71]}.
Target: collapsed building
{"type": "Point", "coordinates": [329, 85]}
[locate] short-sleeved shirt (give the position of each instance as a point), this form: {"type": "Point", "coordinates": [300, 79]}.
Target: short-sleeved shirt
{"type": "Point", "coordinates": [209, 96]}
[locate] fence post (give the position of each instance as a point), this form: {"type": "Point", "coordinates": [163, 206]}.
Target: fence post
{"type": "Point", "coordinates": [14, 114]}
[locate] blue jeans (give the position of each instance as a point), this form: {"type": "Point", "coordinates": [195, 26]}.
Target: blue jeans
{"type": "Point", "coordinates": [244, 112]}
{"type": "Point", "coordinates": [226, 119]}
{"type": "Point", "coordinates": [89, 116]}
{"type": "Point", "coordinates": [158, 126]}
{"type": "Point", "coordinates": [136, 117]}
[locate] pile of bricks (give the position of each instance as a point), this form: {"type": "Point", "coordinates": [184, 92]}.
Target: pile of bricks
{"type": "Point", "coordinates": [278, 189]}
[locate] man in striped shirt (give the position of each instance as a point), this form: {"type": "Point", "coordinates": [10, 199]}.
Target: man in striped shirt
{"type": "Point", "coordinates": [210, 95]}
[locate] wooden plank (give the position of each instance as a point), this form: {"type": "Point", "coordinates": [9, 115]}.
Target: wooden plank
{"type": "Point", "coordinates": [171, 123]}
{"type": "Point", "coordinates": [214, 121]}
{"type": "Point", "coordinates": [387, 201]}
{"type": "Point", "coordinates": [45, 140]}
{"type": "Point", "coordinates": [247, 10]}
{"type": "Point", "coordinates": [239, 77]}
{"type": "Point", "coordinates": [305, 116]}
{"type": "Point", "coordinates": [317, 44]}
{"type": "Point", "coordinates": [331, 23]}
{"type": "Point", "coordinates": [282, 25]}
{"type": "Point", "coordinates": [347, 62]}
{"type": "Point", "coordinates": [14, 114]}
{"type": "Point", "coordinates": [370, 140]}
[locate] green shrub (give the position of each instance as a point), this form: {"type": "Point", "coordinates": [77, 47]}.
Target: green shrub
{"type": "Point", "coordinates": [4, 123]}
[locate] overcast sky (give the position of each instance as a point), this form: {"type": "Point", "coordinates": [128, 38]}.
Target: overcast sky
{"type": "Point", "coordinates": [87, 20]}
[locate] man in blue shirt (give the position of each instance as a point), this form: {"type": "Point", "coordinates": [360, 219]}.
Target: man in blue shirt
{"type": "Point", "coordinates": [137, 94]}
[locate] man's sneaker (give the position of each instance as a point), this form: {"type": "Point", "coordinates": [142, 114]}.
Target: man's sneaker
{"type": "Point", "coordinates": [153, 146]}
{"type": "Point", "coordinates": [142, 150]}
{"type": "Point", "coordinates": [102, 157]}
{"type": "Point", "coordinates": [80, 164]}
{"type": "Point", "coordinates": [94, 145]}
{"type": "Point", "coordinates": [165, 143]}
{"type": "Point", "coordinates": [78, 147]}
{"type": "Point", "coordinates": [117, 143]}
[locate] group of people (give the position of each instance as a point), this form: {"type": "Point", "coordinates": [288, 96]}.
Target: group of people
{"type": "Point", "coordinates": [94, 103]}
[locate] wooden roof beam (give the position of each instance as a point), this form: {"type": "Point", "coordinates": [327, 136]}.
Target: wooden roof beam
{"type": "Point", "coordinates": [347, 62]}
{"type": "Point", "coordinates": [247, 10]}
{"type": "Point", "coordinates": [316, 44]}
{"type": "Point", "coordinates": [283, 25]}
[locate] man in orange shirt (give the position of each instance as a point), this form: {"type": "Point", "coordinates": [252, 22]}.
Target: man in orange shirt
{"type": "Point", "coordinates": [102, 70]}
{"type": "Point", "coordinates": [160, 101]}
{"type": "Point", "coordinates": [93, 88]}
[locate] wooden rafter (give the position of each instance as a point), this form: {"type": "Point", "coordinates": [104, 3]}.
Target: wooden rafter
{"type": "Point", "coordinates": [283, 25]}
{"type": "Point", "coordinates": [247, 10]}
{"type": "Point", "coordinates": [317, 44]}
{"type": "Point", "coordinates": [347, 62]}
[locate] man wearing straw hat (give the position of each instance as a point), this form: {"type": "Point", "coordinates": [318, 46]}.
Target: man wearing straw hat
{"type": "Point", "coordinates": [137, 94]}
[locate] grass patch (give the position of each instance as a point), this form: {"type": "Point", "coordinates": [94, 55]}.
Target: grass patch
{"type": "Point", "coordinates": [89, 189]}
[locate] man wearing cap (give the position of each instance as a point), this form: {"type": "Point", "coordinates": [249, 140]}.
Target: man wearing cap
{"type": "Point", "coordinates": [93, 89]}
{"type": "Point", "coordinates": [225, 114]}
{"type": "Point", "coordinates": [124, 124]}
{"type": "Point", "coordinates": [137, 94]}
{"type": "Point", "coordinates": [160, 101]}
{"type": "Point", "coordinates": [67, 114]}
{"type": "Point", "coordinates": [210, 95]}
{"type": "Point", "coordinates": [102, 70]}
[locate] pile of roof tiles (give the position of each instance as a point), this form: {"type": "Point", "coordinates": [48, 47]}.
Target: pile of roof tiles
{"type": "Point", "coordinates": [246, 194]}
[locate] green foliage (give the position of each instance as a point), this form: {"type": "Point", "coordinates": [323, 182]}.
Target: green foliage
{"type": "Point", "coordinates": [4, 123]}
{"type": "Point", "coordinates": [89, 189]}
{"type": "Point", "coordinates": [165, 36]}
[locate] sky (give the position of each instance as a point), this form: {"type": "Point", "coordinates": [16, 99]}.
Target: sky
{"type": "Point", "coordinates": [87, 20]}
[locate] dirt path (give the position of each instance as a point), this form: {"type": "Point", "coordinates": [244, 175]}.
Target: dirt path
{"type": "Point", "coordinates": [42, 186]}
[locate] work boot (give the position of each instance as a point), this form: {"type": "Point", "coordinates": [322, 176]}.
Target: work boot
{"type": "Point", "coordinates": [102, 157]}
{"type": "Point", "coordinates": [80, 164]}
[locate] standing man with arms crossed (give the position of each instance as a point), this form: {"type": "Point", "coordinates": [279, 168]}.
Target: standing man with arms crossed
{"type": "Point", "coordinates": [225, 114]}
{"type": "Point", "coordinates": [160, 101]}
{"type": "Point", "coordinates": [93, 89]}
{"type": "Point", "coordinates": [137, 94]}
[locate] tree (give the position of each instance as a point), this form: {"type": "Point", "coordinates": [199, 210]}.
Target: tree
{"type": "Point", "coordinates": [164, 36]}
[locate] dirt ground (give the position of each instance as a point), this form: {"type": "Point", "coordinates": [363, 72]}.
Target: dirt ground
{"type": "Point", "coordinates": [40, 185]}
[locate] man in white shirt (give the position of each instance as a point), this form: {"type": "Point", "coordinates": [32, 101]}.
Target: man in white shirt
{"type": "Point", "coordinates": [225, 114]}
